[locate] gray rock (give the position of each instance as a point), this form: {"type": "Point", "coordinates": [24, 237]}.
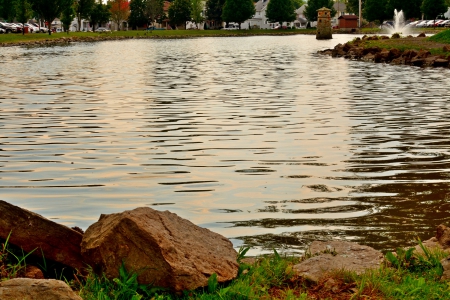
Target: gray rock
{"type": "Point", "coordinates": [164, 249]}
{"type": "Point", "coordinates": [338, 255]}
{"type": "Point", "coordinates": [36, 289]}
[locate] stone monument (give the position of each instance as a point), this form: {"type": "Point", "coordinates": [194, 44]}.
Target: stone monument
{"type": "Point", "coordinates": [324, 24]}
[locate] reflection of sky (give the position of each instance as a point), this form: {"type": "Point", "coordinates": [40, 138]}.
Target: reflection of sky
{"type": "Point", "coordinates": [218, 130]}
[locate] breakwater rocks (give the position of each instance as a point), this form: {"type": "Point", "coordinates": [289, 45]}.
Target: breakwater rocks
{"type": "Point", "coordinates": [365, 50]}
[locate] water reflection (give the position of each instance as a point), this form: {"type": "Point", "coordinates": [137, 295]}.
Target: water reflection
{"type": "Point", "coordinates": [257, 138]}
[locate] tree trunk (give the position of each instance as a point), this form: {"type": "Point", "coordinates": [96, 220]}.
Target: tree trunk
{"type": "Point", "coordinates": [79, 22]}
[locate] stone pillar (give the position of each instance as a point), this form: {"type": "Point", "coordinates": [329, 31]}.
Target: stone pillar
{"type": "Point", "coordinates": [324, 24]}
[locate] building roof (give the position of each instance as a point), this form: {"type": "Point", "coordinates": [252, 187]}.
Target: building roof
{"type": "Point", "coordinates": [349, 17]}
{"type": "Point", "coordinates": [261, 4]}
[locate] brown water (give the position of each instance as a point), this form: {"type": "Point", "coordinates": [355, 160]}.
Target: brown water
{"type": "Point", "coordinates": [257, 138]}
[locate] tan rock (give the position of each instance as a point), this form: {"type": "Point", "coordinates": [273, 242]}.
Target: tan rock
{"type": "Point", "coordinates": [36, 289]}
{"type": "Point", "coordinates": [165, 250]}
{"type": "Point", "coordinates": [31, 231]}
{"type": "Point", "coordinates": [338, 255]}
{"type": "Point", "coordinates": [33, 272]}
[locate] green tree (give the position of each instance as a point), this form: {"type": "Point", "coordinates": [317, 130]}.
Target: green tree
{"type": "Point", "coordinates": [238, 11]}
{"type": "Point", "coordinates": [50, 9]}
{"type": "Point", "coordinates": [23, 12]}
{"type": "Point", "coordinates": [298, 3]}
{"type": "Point", "coordinates": [410, 8]}
{"type": "Point", "coordinates": [433, 8]}
{"type": "Point", "coordinates": [180, 12]}
{"type": "Point", "coordinates": [154, 9]}
{"type": "Point", "coordinates": [375, 10]}
{"type": "Point", "coordinates": [137, 17]}
{"type": "Point", "coordinates": [280, 11]}
{"type": "Point", "coordinates": [214, 10]}
{"type": "Point", "coordinates": [353, 6]}
{"type": "Point", "coordinates": [314, 5]}
{"type": "Point", "coordinates": [67, 17]}
{"type": "Point", "coordinates": [99, 14]}
{"type": "Point", "coordinates": [197, 12]}
{"type": "Point", "coordinates": [8, 9]}
{"type": "Point", "coordinates": [82, 10]}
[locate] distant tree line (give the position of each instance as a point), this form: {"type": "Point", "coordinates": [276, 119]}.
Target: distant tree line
{"type": "Point", "coordinates": [140, 13]}
{"type": "Point", "coordinates": [381, 10]}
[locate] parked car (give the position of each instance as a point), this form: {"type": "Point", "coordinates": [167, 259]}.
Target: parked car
{"type": "Point", "coordinates": [443, 23]}
{"type": "Point", "coordinates": [422, 23]}
{"type": "Point", "coordinates": [2, 31]}
{"type": "Point", "coordinates": [9, 27]}
{"type": "Point", "coordinates": [19, 26]}
{"type": "Point", "coordinates": [231, 27]}
{"type": "Point", "coordinates": [387, 24]}
{"type": "Point", "coordinates": [412, 24]}
{"type": "Point", "coordinates": [280, 27]}
{"type": "Point", "coordinates": [102, 29]}
{"type": "Point", "coordinates": [42, 29]}
{"type": "Point", "coordinates": [32, 28]}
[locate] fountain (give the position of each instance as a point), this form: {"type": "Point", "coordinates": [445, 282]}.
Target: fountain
{"type": "Point", "coordinates": [399, 23]}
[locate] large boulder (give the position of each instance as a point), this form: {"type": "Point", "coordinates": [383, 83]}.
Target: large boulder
{"type": "Point", "coordinates": [36, 289]}
{"type": "Point", "coordinates": [337, 255]}
{"type": "Point", "coordinates": [31, 231]}
{"type": "Point", "coordinates": [165, 250]}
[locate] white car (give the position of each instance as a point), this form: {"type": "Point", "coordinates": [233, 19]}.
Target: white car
{"type": "Point", "coordinates": [102, 29]}
{"type": "Point", "coordinates": [231, 27]}
{"type": "Point", "coordinates": [32, 28]}
{"type": "Point", "coordinates": [422, 23]}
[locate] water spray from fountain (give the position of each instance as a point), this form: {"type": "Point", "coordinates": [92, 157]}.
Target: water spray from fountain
{"type": "Point", "coordinates": [399, 24]}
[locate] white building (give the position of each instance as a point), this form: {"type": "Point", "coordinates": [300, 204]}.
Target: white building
{"type": "Point", "coordinates": [259, 20]}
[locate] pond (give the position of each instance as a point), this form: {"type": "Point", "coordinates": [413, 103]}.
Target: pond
{"type": "Point", "coordinates": [257, 138]}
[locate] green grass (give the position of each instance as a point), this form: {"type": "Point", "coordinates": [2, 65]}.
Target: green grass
{"type": "Point", "coordinates": [19, 38]}
{"type": "Point", "coordinates": [441, 37]}
{"type": "Point", "coordinates": [404, 275]}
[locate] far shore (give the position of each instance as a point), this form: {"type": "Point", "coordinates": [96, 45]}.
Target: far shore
{"type": "Point", "coordinates": [42, 39]}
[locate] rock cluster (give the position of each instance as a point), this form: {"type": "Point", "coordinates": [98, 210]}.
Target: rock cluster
{"type": "Point", "coordinates": [164, 249]}
{"type": "Point", "coordinates": [357, 51]}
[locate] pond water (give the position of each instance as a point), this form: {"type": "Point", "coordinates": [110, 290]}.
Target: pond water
{"type": "Point", "coordinates": [257, 138]}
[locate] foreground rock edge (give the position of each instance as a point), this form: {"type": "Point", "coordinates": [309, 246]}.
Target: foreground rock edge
{"type": "Point", "coordinates": [329, 251]}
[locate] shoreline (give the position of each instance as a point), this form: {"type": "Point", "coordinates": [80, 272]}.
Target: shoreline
{"type": "Point", "coordinates": [61, 39]}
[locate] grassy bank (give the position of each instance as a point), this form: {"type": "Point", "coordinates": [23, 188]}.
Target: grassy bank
{"type": "Point", "coordinates": [19, 38]}
{"type": "Point", "coordinates": [435, 44]}
{"type": "Point", "coordinates": [404, 275]}
{"type": "Point", "coordinates": [41, 38]}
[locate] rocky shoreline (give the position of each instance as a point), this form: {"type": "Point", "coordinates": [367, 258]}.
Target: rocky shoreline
{"type": "Point", "coordinates": [168, 252]}
{"type": "Point", "coordinates": [358, 49]}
